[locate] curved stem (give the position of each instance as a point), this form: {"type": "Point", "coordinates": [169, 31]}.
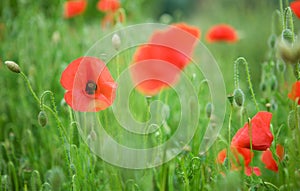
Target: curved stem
{"type": "Point", "coordinates": [236, 75]}
{"type": "Point", "coordinates": [243, 60]}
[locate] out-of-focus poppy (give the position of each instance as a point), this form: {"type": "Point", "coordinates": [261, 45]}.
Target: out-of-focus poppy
{"type": "Point", "coordinates": [268, 160]}
{"type": "Point", "coordinates": [89, 85]}
{"type": "Point", "coordinates": [158, 64]}
{"type": "Point", "coordinates": [280, 151]}
{"type": "Point", "coordinates": [236, 164]}
{"type": "Point", "coordinates": [108, 5]}
{"type": "Point", "coordinates": [295, 6]}
{"type": "Point", "coordinates": [221, 33]}
{"type": "Point", "coordinates": [260, 133]}
{"type": "Point", "coordinates": [110, 19]}
{"type": "Point", "coordinates": [74, 7]}
{"type": "Point", "coordinates": [295, 92]}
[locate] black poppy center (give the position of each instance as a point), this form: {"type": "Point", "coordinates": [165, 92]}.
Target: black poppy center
{"type": "Point", "coordinates": [90, 87]}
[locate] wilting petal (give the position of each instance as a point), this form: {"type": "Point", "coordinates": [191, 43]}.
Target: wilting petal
{"type": "Point", "coordinates": [260, 130]}
{"type": "Point", "coordinates": [268, 160]}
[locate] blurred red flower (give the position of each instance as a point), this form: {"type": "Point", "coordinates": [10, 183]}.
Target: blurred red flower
{"type": "Point", "coordinates": [236, 165]}
{"type": "Point", "coordinates": [108, 5]}
{"type": "Point", "coordinates": [158, 64]}
{"type": "Point", "coordinates": [89, 85]}
{"type": "Point", "coordinates": [74, 7]}
{"type": "Point", "coordinates": [280, 151]}
{"type": "Point", "coordinates": [295, 6]}
{"type": "Point", "coordinates": [268, 160]}
{"type": "Point", "coordinates": [295, 92]}
{"type": "Point", "coordinates": [260, 130]}
{"type": "Point", "coordinates": [221, 33]}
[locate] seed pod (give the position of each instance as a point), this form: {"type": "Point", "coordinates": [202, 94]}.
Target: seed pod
{"type": "Point", "coordinates": [239, 97]}
{"type": "Point", "coordinates": [116, 41]}
{"type": "Point", "coordinates": [12, 66]}
{"type": "Point", "coordinates": [208, 109]}
{"type": "Point", "coordinates": [42, 118]}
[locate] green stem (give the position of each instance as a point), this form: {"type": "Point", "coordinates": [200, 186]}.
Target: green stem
{"type": "Point", "coordinates": [236, 75]}
{"type": "Point", "coordinates": [243, 60]}
{"type": "Point", "coordinates": [281, 13]}
{"type": "Point", "coordinates": [229, 135]}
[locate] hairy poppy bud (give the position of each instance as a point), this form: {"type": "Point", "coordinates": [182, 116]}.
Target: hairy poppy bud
{"type": "Point", "coordinates": [208, 109]}
{"type": "Point", "coordinates": [280, 66]}
{"type": "Point", "coordinates": [239, 97]}
{"type": "Point", "coordinates": [116, 41]}
{"type": "Point", "coordinates": [291, 120]}
{"type": "Point", "coordinates": [287, 35]}
{"type": "Point", "coordinates": [42, 118]}
{"type": "Point", "coordinates": [12, 66]}
{"type": "Point", "coordinates": [272, 41]}
{"type": "Point", "coordinates": [230, 98]}
{"type": "Point", "coordinates": [287, 52]}
{"type": "Point", "coordinates": [273, 82]}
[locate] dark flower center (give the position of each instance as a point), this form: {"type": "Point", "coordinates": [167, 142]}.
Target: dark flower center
{"type": "Point", "coordinates": [90, 87]}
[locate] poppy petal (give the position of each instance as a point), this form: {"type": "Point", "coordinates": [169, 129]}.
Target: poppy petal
{"type": "Point", "coordinates": [260, 130]}
{"type": "Point", "coordinates": [108, 5]}
{"type": "Point", "coordinates": [280, 151]}
{"type": "Point", "coordinates": [249, 170]}
{"type": "Point", "coordinates": [295, 92]}
{"type": "Point", "coordinates": [74, 8]}
{"type": "Point", "coordinates": [295, 6]}
{"type": "Point", "coordinates": [158, 64]}
{"type": "Point", "coordinates": [268, 160]}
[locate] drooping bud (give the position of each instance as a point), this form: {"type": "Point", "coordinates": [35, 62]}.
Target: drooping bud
{"type": "Point", "coordinates": [208, 109]}
{"type": "Point", "coordinates": [239, 97]}
{"type": "Point", "coordinates": [42, 118]}
{"type": "Point", "coordinates": [287, 35]}
{"type": "Point", "coordinates": [116, 41]}
{"type": "Point", "coordinates": [12, 66]}
{"type": "Point", "coordinates": [287, 52]}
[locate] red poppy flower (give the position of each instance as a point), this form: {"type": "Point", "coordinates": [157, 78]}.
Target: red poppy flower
{"type": "Point", "coordinates": [74, 8]}
{"type": "Point", "coordinates": [247, 156]}
{"type": "Point", "coordinates": [221, 156]}
{"type": "Point", "coordinates": [295, 92]}
{"type": "Point", "coordinates": [280, 151]}
{"type": "Point", "coordinates": [158, 64]}
{"type": "Point", "coordinates": [260, 130]}
{"type": "Point", "coordinates": [108, 5]}
{"type": "Point", "coordinates": [295, 6]}
{"type": "Point", "coordinates": [89, 85]}
{"type": "Point", "coordinates": [268, 160]}
{"type": "Point", "coordinates": [110, 19]}
{"type": "Point", "coordinates": [249, 170]}
{"type": "Point", "coordinates": [222, 33]}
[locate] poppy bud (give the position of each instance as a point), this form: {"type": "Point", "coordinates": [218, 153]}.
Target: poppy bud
{"type": "Point", "coordinates": [291, 120]}
{"type": "Point", "coordinates": [272, 41]}
{"type": "Point", "coordinates": [208, 109]}
{"type": "Point", "coordinates": [289, 18]}
{"type": "Point", "coordinates": [116, 41]}
{"type": "Point", "coordinates": [42, 118]}
{"type": "Point", "coordinates": [263, 86]}
{"type": "Point", "coordinates": [273, 82]}
{"type": "Point", "coordinates": [230, 98]}
{"type": "Point", "coordinates": [280, 66]}
{"type": "Point", "coordinates": [287, 35]}
{"type": "Point", "coordinates": [12, 66]}
{"type": "Point", "coordinates": [287, 52]}
{"type": "Point", "coordinates": [239, 97]}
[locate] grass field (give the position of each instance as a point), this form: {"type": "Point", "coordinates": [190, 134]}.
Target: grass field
{"type": "Point", "coordinates": [59, 156]}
